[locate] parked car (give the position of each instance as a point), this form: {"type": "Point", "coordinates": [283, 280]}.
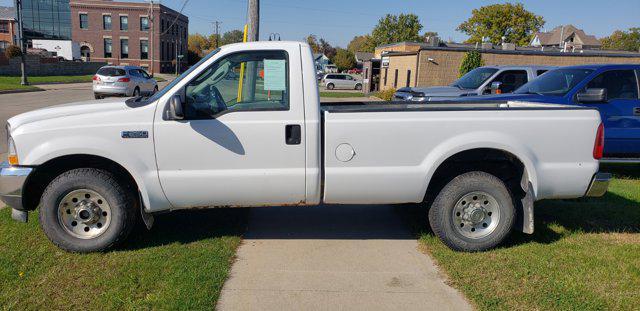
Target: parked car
{"type": "Point", "coordinates": [123, 81]}
{"type": "Point", "coordinates": [354, 71]}
{"type": "Point", "coordinates": [94, 168]}
{"type": "Point", "coordinates": [612, 89]}
{"type": "Point", "coordinates": [503, 79]}
{"type": "Point", "coordinates": [341, 81]}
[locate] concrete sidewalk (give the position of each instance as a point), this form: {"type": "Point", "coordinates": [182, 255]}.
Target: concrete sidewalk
{"type": "Point", "coordinates": [334, 258]}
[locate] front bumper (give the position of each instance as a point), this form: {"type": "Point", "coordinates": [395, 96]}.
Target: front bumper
{"type": "Point", "coordinates": [599, 185]}
{"type": "Point", "coordinates": [12, 179]}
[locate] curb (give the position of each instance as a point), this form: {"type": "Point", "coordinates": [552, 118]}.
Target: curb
{"type": "Point", "coordinates": [21, 91]}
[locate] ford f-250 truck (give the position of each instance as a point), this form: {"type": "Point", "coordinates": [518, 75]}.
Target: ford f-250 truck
{"type": "Point", "coordinates": [263, 138]}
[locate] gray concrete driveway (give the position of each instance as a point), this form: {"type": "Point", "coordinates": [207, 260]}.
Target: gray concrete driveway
{"type": "Point", "coordinates": [334, 258]}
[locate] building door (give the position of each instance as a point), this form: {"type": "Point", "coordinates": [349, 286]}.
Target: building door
{"type": "Point", "coordinates": [85, 53]}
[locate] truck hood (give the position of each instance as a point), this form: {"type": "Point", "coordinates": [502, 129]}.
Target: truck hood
{"type": "Point", "coordinates": [66, 110]}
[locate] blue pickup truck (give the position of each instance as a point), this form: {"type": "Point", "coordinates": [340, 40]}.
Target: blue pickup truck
{"type": "Point", "coordinates": [612, 89]}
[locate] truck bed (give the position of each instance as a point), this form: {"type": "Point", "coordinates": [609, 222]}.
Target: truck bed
{"type": "Point", "coordinates": [375, 106]}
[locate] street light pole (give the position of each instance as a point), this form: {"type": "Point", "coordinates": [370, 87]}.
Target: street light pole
{"type": "Point", "coordinates": [151, 37]}
{"type": "Point", "coordinates": [253, 34]}
{"type": "Point", "coordinates": [23, 47]}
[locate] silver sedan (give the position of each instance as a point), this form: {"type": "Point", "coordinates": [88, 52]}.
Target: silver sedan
{"type": "Point", "coordinates": [123, 81]}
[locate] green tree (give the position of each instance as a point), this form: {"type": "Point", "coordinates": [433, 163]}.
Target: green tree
{"type": "Point", "coordinates": [312, 40]}
{"type": "Point", "coordinates": [12, 51]}
{"type": "Point", "coordinates": [361, 44]}
{"type": "Point", "coordinates": [623, 40]}
{"type": "Point", "coordinates": [197, 44]}
{"type": "Point", "coordinates": [511, 21]}
{"type": "Point", "coordinates": [233, 36]}
{"type": "Point", "coordinates": [327, 49]}
{"type": "Point", "coordinates": [471, 61]}
{"type": "Point", "coordinates": [428, 34]}
{"type": "Point", "coordinates": [397, 28]}
{"type": "Point", "coordinates": [344, 59]}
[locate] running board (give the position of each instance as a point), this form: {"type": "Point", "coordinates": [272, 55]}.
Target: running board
{"type": "Point", "coordinates": [620, 160]}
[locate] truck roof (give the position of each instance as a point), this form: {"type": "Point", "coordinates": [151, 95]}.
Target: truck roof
{"type": "Point", "coordinates": [605, 66]}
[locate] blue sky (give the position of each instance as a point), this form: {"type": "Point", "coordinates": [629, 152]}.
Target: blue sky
{"type": "Point", "coordinates": [338, 21]}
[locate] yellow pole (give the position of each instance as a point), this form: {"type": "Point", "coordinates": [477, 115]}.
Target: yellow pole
{"type": "Point", "coordinates": [240, 80]}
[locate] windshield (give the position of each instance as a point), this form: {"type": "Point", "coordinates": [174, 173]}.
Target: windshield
{"type": "Point", "coordinates": [111, 72]}
{"type": "Point", "coordinates": [474, 78]}
{"type": "Point", "coordinates": [177, 80]}
{"type": "Point", "coordinates": [555, 82]}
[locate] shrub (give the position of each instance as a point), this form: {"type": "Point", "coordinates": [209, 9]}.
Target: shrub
{"type": "Point", "coordinates": [471, 61]}
{"type": "Point", "coordinates": [13, 51]}
{"type": "Point", "coordinates": [386, 94]}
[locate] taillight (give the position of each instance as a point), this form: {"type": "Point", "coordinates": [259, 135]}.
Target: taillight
{"type": "Point", "coordinates": [96, 78]}
{"type": "Point", "coordinates": [124, 80]}
{"type": "Point", "coordinates": [598, 147]}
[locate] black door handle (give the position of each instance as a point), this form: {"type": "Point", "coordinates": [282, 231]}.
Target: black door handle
{"type": "Point", "coordinates": [293, 134]}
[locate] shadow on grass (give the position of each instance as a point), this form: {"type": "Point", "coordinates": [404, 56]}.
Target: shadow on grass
{"type": "Point", "coordinates": [622, 170]}
{"type": "Point", "coordinates": [609, 214]}
{"type": "Point", "coordinates": [188, 226]}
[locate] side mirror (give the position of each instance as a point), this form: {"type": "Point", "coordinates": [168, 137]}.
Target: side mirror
{"type": "Point", "coordinates": [592, 96]}
{"type": "Point", "coordinates": [174, 111]}
{"type": "Point", "coordinates": [495, 87]}
{"type": "Point", "coordinates": [151, 76]}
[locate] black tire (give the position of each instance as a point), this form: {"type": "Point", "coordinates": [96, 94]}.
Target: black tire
{"type": "Point", "coordinates": [358, 87]}
{"type": "Point", "coordinates": [97, 96]}
{"type": "Point", "coordinates": [330, 86]}
{"type": "Point", "coordinates": [441, 213]}
{"type": "Point", "coordinates": [123, 210]}
{"type": "Point", "coordinates": [136, 92]}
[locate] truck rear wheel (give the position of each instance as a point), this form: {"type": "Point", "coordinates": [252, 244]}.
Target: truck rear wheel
{"type": "Point", "coordinates": [86, 210]}
{"type": "Point", "coordinates": [473, 212]}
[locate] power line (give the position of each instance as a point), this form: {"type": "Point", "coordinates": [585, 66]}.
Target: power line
{"type": "Point", "coordinates": [176, 19]}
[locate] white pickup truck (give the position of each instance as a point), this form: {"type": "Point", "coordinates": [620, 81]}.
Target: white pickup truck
{"type": "Point", "coordinates": [244, 127]}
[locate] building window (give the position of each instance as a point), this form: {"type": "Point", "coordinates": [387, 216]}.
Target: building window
{"type": "Point", "coordinates": [124, 48]}
{"type": "Point", "coordinates": [4, 27]}
{"type": "Point", "coordinates": [106, 22]}
{"type": "Point", "coordinates": [124, 23]}
{"type": "Point", "coordinates": [395, 79]}
{"type": "Point", "coordinates": [386, 74]}
{"type": "Point", "coordinates": [144, 23]}
{"type": "Point", "coordinates": [4, 45]}
{"type": "Point", "coordinates": [144, 49]}
{"type": "Point", "coordinates": [107, 48]}
{"type": "Point", "coordinates": [84, 21]}
{"type": "Point", "coordinates": [408, 78]}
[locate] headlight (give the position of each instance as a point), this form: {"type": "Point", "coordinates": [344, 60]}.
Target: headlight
{"type": "Point", "coordinates": [12, 154]}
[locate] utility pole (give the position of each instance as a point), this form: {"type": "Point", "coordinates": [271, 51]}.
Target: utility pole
{"type": "Point", "coordinates": [216, 25]}
{"type": "Point", "coordinates": [151, 41]}
{"type": "Point", "coordinates": [253, 34]}
{"type": "Point", "coordinates": [253, 20]}
{"type": "Point", "coordinates": [23, 43]}
{"type": "Point", "coordinates": [177, 42]}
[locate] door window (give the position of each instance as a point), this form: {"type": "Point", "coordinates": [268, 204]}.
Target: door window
{"type": "Point", "coordinates": [511, 80]}
{"type": "Point", "coordinates": [248, 81]}
{"type": "Point", "coordinates": [620, 84]}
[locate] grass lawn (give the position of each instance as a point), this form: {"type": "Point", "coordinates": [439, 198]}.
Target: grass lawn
{"type": "Point", "coordinates": [181, 263]}
{"type": "Point", "coordinates": [585, 255]}
{"type": "Point", "coordinates": [341, 94]}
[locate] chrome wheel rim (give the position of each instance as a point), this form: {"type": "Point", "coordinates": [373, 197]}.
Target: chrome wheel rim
{"type": "Point", "coordinates": [476, 215]}
{"type": "Point", "coordinates": [84, 214]}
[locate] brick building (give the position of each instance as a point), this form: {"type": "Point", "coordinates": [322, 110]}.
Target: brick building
{"type": "Point", "coordinates": [7, 27]}
{"type": "Point", "coordinates": [436, 66]}
{"type": "Point", "coordinates": [127, 33]}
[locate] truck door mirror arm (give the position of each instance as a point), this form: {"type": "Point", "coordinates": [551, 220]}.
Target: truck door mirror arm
{"type": "Point", "coordinates": [174, 109]}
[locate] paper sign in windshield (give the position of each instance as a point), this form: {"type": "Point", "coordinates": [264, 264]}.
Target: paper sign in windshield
{"type": "Point", "coordinates": [274, 75]}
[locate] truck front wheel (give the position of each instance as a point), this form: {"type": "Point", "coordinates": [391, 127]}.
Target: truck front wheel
{"type": "Point", "coordinates": [473, 212]}
{"type": "Point", "coordinates": [87, 210]}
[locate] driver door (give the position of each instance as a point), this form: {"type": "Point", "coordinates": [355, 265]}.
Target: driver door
{"type": "Point", "coordinates": [241, 140]}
